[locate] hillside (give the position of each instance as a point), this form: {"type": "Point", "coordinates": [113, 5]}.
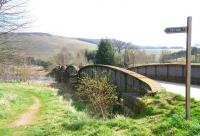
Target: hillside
{"type": "Point", "coordinates": [42, 45]}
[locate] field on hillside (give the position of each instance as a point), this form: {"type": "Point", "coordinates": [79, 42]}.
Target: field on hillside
{"type": "Point", "coordinates": [163, 115]}
{"type": "Point", "coordinates": [43, 46]}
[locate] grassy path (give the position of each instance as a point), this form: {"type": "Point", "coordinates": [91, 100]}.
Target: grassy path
{"type": "Point", "coordinates": [163, 115]}
{"type": "Point", "coordinates": [28, 116]}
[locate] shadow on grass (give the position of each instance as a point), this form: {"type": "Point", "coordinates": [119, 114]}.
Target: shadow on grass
{"type": "Point", "coordinates": [164, 104]}
{"type": "Point", "coordinates": [68, 94]}
{"type": "Point", "coordinates": [74, 126]}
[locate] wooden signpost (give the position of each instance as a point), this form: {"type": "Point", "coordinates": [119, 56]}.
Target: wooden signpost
{"type": "Point", "coordinates": [188, 30]}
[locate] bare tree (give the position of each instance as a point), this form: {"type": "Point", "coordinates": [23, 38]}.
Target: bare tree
{"type": "Point", "coordinates": [12, 15]}
{"type": "Point", "coordinates": [12, 18]}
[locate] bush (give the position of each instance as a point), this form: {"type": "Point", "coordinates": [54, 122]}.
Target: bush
{"type": "Point", "coordinates": [98, 93]}
{"type": "Point", "coordinates": [12, 73]}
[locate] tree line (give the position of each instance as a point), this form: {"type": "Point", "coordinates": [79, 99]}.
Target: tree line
{"type": "Point", "coordinates": [108, 54]}
{"type": "Point", "coordinates": [167, 56]}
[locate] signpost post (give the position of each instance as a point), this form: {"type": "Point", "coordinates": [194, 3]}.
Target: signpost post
{"type": "Point", "coordinates": [188, 30]}
{"type": "Point", "coordinates": [188, 67]}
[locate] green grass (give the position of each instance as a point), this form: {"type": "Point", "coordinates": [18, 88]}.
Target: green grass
{"type": "Point", "coordinates": [13, 101]}
{"type": "Point", "coordinates": [163, 115]}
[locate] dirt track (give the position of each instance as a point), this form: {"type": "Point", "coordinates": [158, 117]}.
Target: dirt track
{"type": "Point", "coordinates": [28, 116]}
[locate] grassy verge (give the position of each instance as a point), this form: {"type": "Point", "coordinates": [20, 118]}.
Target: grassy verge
{"type": "Point", "coordinates": [13, 101]}
{"type": "Point", "coordinates": [163, 115]}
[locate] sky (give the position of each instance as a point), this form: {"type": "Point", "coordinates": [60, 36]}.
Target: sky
{"type": "Point", "coordinates": [141, 22]}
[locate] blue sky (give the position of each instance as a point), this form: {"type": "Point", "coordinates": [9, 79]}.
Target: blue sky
{"type": "Point", "coordinates": [141, 22]}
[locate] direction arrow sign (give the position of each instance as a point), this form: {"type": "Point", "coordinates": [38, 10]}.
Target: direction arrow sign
{"type": "Point", "coordinates": [176, 30]}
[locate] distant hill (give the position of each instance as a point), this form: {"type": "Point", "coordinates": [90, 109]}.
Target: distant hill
{"type": "Point", "coordinates": [43, 45]}
{"type": "Point", "coordinates": [127, 45]}
{"type": "Point", "coordinates": [118, 44]}
{"type": "Point", "coordinates": [93, 41]}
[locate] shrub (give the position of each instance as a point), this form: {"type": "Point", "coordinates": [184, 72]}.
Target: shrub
{"type": "Point", "coordinates": [98, 93]}
{"type": "Point", "coordinates": [12, 73]}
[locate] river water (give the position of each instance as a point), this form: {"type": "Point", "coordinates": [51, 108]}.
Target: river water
{"type": "Point", "coordinates": [43, 79]}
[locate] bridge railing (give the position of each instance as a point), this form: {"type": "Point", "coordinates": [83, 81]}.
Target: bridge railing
{"type": "Point", "coordinates": [127, 81]}
{"type": "Point", "coordinates": [169, 72]}
{"type": "Point", "coordinates": [131, 85]}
